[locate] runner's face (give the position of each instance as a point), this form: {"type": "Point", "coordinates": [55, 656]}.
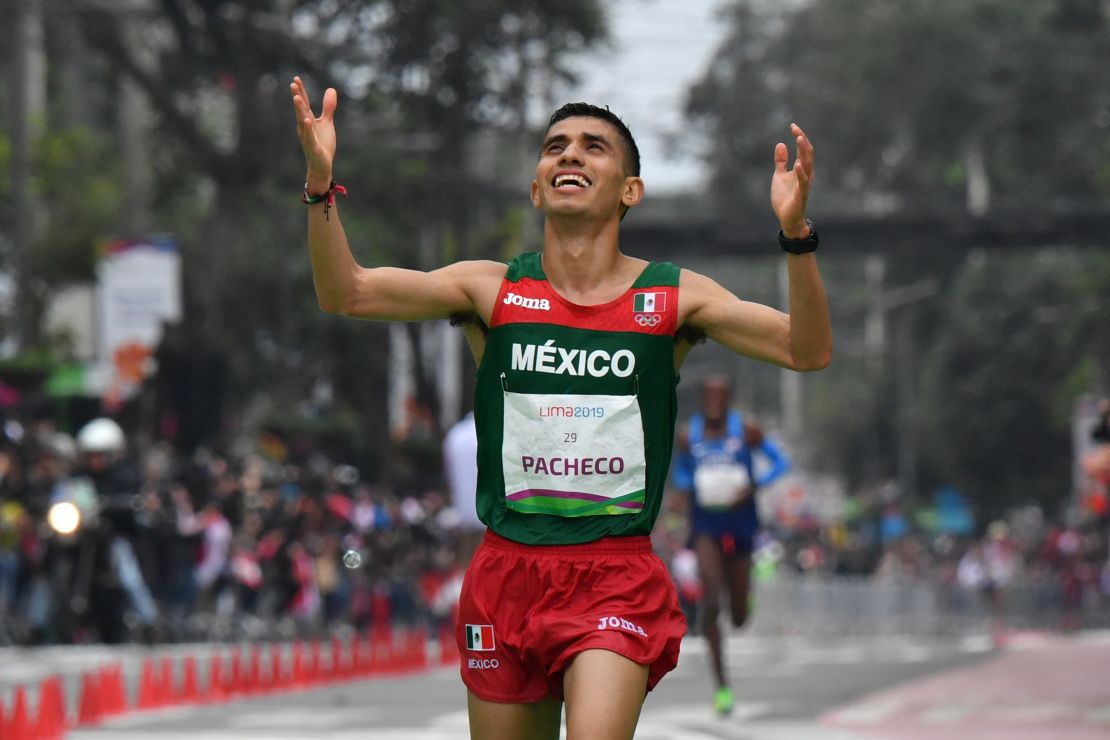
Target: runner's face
{"type": "Point", "coordinates": [715, 400]}
{"type": "Point", "coordinates": [581, 170]}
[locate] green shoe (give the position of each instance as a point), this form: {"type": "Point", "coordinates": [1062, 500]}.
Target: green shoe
{"type": "Point", "coordinates": [722, 701]}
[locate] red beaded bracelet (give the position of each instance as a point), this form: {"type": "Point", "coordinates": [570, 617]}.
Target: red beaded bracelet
{"type": "Point", "coordinates": [327, 198]}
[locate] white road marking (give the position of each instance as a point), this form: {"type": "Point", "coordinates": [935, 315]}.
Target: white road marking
{"type": "Point", "coordinates": [870, 713]}
{"type": "Point", "coordinates": [974, 644]}
{"type": "Point", "coordinates": [1094, 637]}
{"type": "Point", "coordinates": [1034, 713]}
{"type": "Point", "coordinates": [947, 715]}
{"type": "Point", "coordinates": [1100, 716]}
{"type": "Point", "coordinates": [277, 719]}
{"type": "Point", "coordinates": [913, 654]}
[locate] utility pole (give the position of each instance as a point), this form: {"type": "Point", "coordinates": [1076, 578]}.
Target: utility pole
{"type": "Point", "coordinates": [134, 123]}
{"type": "Point", "coordinates": [27, 112]}
{"type": "Point", "coordinates": [903, 300]}
{"type": "Point", "coordinates": [874, 347]}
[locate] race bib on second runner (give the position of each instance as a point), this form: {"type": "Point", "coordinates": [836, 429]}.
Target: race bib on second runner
{"type": "Point", "coordinates": [721, 486]}
{"type": "Point", "coordinates": [573, 455]}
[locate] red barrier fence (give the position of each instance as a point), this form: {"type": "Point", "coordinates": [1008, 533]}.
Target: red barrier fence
{"type": "Point", "coordinates": [231, 674]}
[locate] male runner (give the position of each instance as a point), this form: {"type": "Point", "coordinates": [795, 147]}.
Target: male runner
{"type": "Point", "coordinates": [715, 466]}
{"type": "Point", "coordinates": [577, 348]}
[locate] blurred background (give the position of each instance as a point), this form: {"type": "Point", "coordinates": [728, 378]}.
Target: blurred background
{"type": "Point", "coordinates": [280, 470]}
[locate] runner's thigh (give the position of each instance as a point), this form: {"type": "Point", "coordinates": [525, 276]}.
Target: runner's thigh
{"type": "Point", "coordinates": [491, 720]}
{"type": "Point", "coordinates": [604, 692]}
{"type": "Point", "coordinates": [740, 586]}
{"type": "Point", "coordinates": [711, 566]}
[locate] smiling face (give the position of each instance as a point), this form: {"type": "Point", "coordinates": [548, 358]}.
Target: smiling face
{"type": "Point", "coordinates": [583, 171]}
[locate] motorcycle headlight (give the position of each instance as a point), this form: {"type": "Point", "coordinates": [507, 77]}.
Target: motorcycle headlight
{"type": "Point", "coordinates": [64, 517]}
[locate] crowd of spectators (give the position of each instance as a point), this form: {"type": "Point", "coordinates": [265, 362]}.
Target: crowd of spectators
{"type": "Point", "coordinates": [213, 545]}
{"type": "Point", "coordinates": [1029, 565]}
{"type": "Point", "coordinates": [246, 543]}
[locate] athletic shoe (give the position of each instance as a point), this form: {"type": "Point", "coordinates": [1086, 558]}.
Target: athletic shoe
{"type": "Point", "coordinates": [722, 701]}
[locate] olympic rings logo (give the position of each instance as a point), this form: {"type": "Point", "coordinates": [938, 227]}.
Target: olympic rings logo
{"type": "Point", "coordinates": [648, 319]}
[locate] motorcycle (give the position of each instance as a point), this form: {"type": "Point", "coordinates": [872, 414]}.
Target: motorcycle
{"type": "Point", "coordinates": [87, 597]}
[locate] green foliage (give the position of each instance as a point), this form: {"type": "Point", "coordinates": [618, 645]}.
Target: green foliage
{"type": "Point", "coordinates": [76, 184]}
{"type": "Point", "coordinates": [417, 80]}
{"type": "Point", "coordinates": [904, 99]}
{"type": "Point", "coordinates": [897, 93]}
{"type": "Point", "coordinates": [999, 382]}
{"type": "Point", "coordinates": [77, 179]}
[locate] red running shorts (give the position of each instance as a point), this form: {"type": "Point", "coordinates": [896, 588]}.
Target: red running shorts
{"type": "Point", "coordinates": [526, 611]}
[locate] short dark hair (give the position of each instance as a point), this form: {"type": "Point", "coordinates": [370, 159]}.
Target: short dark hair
{"type": "Point", "coordinates": [572, 110]}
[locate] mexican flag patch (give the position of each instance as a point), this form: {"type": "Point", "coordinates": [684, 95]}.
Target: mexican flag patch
{"type": "Point", "coordinates": [479, 637]}
{"type": "Point", "coordinates": [649, 302]}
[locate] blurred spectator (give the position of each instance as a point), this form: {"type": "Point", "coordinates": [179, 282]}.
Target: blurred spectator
{"type": "Point", "coordinates": [904, 559]}
{"type": "Point", "coordinates": [1096, 462]}
{"type": "Point", "coordinates": [460, 463]}
{"type": "Point", "coordinates": [1100, 433]}
{"type": "Point", "coordinates": [215, 546]}
{"type": "Point", "coordinates": [990, 567]}
{"type": "Point", "coordinates": [13, 526]}
{"type": "Point", "coordinates": [101, 448]}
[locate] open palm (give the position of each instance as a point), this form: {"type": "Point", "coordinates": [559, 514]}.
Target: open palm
{"type": "Point", "coordinates": [790, 186]}
{"type": "Point", "coordinates": [317, 134]}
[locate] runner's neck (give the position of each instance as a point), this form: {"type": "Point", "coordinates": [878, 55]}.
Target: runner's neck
{"type": "Point", "coordinates": [587, 276]}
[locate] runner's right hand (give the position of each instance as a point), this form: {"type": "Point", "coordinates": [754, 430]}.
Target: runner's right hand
{"type": "Point", "coordinates": [317, 135]}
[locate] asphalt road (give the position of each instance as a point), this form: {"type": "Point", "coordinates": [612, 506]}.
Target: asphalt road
{"type": "Point", "coordinates": [784, 686]}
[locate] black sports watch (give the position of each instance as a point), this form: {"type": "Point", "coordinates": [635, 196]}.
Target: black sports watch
{"type": "Point", "coordinates": [800, 246]}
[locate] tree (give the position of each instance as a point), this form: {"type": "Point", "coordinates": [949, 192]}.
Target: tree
{"type": "Point", "coordinates": [946, 107]}
{"type": "Point", "coordinates": [1002, 377]}
{"type": "Point", "coordinates": [920, 105]}
{"type": "Point", "coordinates": [418, 80]}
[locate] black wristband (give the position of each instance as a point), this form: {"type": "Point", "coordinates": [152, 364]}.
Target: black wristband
{"type": "Point", "coordinates": [800, 246]}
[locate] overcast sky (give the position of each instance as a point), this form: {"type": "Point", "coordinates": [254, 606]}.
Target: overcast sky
{"type": "Point", "coordinates": [659, 48]}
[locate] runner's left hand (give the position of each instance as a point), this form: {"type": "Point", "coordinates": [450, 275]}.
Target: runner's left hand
{"type": "Point", "coordinates": [790, 187]}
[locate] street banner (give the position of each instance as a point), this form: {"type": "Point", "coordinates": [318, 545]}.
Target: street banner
{"type": "Point", "coordinates": [138, 292]}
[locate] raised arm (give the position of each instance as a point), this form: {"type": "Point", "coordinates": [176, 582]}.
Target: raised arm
{"type": "Point", "coordinates": [342, 285]}
{"type": "Point", "coordinates": [799, 340]}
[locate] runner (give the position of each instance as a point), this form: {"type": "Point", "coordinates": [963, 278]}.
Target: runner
{"type": "Point", "coordinates": [715, 466]}
{"type": "Point", "coordinates": [577, 348]}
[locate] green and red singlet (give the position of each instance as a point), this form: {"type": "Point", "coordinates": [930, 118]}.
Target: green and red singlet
{"type": "Point", "coordinates": [575, 408]}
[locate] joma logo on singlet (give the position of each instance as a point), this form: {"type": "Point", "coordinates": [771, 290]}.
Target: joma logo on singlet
{"type": "Point", "coordinates": [512, 299]}
{"type": "Point", "coordinates": [547, 358]}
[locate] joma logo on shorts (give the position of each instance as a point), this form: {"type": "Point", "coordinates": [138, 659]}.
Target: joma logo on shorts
{"type": "Point", "coordinates": [617, 623]}
{"type": "Point", "coordinates": [512, 299]}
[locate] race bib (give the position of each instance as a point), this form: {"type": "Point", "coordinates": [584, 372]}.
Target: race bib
{"type": "Point", "coordinates": [721, 486]}
{"type": "Point", "coordinates": [573, 455]}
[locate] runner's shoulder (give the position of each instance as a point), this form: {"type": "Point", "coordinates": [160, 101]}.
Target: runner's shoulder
{"type": "Point", "coordinates": [477, 269]}
{"type": "Point", "coordinates": [695, 284]}
{"type": "Point", "coordinates": [481, 281]}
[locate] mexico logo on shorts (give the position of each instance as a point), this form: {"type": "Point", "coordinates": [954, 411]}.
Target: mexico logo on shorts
{"type": "Point", "coordinates": [479, 637]}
